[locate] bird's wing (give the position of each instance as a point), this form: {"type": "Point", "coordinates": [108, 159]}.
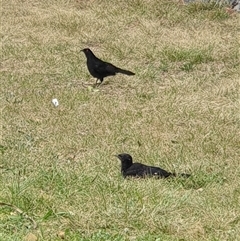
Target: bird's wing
{"type": "Point", "coordinates": [156, 171]}
{"type": "Point", "coordinates": [104, 68]}
{"type": "Point", "coordinates": [136, 169]}
{"type": "Point", "coordinates": [111, 68]}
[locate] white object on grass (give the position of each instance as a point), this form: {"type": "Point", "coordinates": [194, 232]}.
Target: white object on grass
{"type": "Point", "coordinates": [55, 102]}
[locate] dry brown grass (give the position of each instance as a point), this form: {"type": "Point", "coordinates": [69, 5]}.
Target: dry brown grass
{"type": "Point", "coordinates": [181, 112]}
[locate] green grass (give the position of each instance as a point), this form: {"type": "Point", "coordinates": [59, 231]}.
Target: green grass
{"type": "Point", "coordinates": [180, 111]}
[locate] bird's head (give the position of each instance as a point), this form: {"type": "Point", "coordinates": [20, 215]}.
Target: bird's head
{"type": "Point", "coordinates": [88, 53]}
{"type": "Point", "coordinates": [126, 161]}
{"type": "Point", "coordinates": [86, 50]}
{"type": "Point", "coordinates": [125, 158]}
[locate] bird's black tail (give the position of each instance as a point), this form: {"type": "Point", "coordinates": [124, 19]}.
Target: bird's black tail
{"type": "Point", "coordinates": [123, 71]}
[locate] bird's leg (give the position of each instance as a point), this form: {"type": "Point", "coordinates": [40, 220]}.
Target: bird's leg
{"type": "Point", "coordinates": [98, 84]}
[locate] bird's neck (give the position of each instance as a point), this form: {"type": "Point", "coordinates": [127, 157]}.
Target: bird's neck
{"type": "Point", "coordinates": [125, 166]}
{"type": "Point", "coordinates": [91, 55]}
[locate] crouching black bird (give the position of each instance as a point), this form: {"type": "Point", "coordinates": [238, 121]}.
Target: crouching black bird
{"type": "Point", "coordinates": [128, 168]}
{"type": "Point", "coordinates": [100, 69]}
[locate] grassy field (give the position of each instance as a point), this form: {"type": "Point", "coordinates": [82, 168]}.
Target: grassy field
{"type": "Point", "coordinates": [181, 111]}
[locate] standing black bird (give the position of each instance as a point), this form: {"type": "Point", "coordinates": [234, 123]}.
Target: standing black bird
{"type": "Point", "coordinates": [100, 69]}
{"type": "Point", "coordinates": [128, 168]}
